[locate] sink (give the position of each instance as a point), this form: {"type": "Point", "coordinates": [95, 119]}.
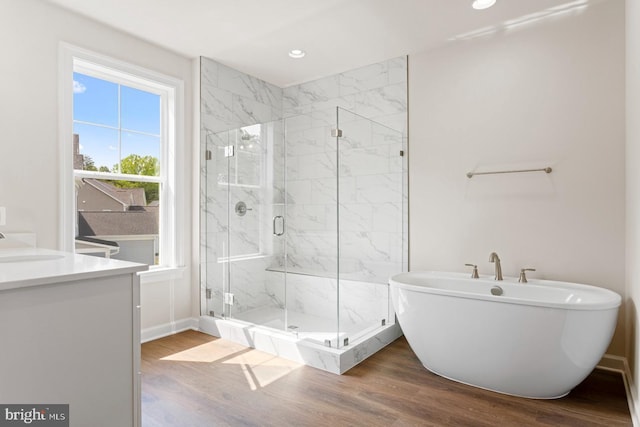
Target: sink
{"type": "Point", "coordinates": [29, 257]}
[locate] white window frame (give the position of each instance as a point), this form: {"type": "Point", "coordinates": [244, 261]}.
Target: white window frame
{"type": "Point", "coordinates": [171, 91]}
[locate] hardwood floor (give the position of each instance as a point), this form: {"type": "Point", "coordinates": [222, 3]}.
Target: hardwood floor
{"type": "Point", "coordinates": [193, 379]}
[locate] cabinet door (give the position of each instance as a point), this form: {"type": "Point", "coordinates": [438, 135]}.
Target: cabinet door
{"type": "Point", "coordinates": [74, 343]}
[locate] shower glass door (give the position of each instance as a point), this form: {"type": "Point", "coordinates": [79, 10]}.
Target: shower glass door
{"type": "Point", "coordinates": [255, 189]}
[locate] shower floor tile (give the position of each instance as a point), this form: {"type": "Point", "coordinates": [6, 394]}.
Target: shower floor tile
{"type": "Point", "coordinates": [304, 326]}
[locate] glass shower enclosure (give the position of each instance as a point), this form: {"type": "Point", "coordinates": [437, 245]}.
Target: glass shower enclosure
{"type": "Point", "coordinates": [303, 225]}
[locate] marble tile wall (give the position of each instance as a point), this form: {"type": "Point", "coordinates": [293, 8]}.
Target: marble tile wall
{"type": "Point", "coordinates": [372, 175]}
{"type": "Point", "coordinates": [377, 92]}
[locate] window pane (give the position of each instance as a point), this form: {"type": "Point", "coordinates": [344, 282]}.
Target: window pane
{"type": "Point", "coordinates": [140, 111]}
{"type": "Point", "coordinates": [95, 100]}
{"type": "Point", "coordinates": [119, 218]}
{"type": "Point", "coordinates": [97, 148]}
{"type": "Point", "coordinates": [140, 154]}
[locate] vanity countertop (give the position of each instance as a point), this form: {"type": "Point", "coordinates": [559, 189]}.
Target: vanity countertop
{"type": "Point", "coordinates": [25, 267]}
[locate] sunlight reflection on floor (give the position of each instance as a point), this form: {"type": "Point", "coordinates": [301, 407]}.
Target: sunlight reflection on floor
{"type": "Point", "coordinates": [260, 369]}
{"type": "Point", "coordinates": [207, 353]}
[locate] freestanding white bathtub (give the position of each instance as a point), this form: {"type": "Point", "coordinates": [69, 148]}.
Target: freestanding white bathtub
{"type": "Point", "coordinates": [537, 340]}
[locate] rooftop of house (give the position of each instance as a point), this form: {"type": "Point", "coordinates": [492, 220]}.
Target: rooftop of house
{"type": "Point", "coordinates": [118, 223]}
{"type": "Point", "coordinates": [135, 219]}
{"type": "Point", "coordinates": [126, 196]}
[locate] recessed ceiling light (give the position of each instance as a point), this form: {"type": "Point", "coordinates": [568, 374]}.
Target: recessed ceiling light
{"type": "Point", "coordinates": [483, 4]}
{"type": "Point", "coordinates": [298, 53]}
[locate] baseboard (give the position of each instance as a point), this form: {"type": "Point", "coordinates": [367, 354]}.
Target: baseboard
{"type": "Point", "coordinates": [632, 398]}
{"type": "Point", "coordinates": [159, 331]}
{"type": "Point", "coordinates": [610, 362]}
{"type": "Point", "coordinates": [620, 364]}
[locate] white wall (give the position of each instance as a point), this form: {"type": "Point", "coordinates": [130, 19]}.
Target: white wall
{"type": "Point", "coordinates": [633, 190]}
{"type": "Point", "coordinates": [550, 93]}
{"type": "Point", "coordinates": [30, 33]}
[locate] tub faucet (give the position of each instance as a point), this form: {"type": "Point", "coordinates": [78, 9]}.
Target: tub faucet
{"type": "Point", "coordinates": [523, 274]}
{"type": "Point", "coordinates": [495, 259]}
{"type": "Point", "coordinates": [474, 273]}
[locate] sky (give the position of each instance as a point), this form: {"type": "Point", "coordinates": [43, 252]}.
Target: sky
{"type": "Point", "coordinates": [95, 120]}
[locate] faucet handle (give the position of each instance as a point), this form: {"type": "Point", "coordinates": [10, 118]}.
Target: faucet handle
{"type": "Point", "coordinates": [523, 275]}
{"type": "Point", "coordinates": [474, 274]}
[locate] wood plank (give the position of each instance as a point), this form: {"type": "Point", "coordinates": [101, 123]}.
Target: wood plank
{"type": "Point", "coordinates": [193, 379]}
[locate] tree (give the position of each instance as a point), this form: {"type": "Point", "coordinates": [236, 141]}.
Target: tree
{"type": "Point", "coordinates": [88, 164]}
{"type": "Point", "coordinates": [137, 165]}
{"type": "Point", "coordinates": [134, 164]}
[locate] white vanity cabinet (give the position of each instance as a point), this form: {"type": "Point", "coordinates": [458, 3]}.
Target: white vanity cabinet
{"type": "Point", "coordinates": [70, 334]}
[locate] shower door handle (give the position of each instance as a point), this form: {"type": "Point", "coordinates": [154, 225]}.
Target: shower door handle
{"type": "Point", "coordinates": [275, 228]}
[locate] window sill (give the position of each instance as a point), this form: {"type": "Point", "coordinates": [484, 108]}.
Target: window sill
{"type": "Point", "coordinates": [161, 274]}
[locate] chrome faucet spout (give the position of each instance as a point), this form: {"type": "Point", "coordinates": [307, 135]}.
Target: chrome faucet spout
{"type": "Point", "coordinates": [498, 268]}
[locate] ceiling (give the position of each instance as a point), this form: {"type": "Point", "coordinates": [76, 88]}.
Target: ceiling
{"type": "Point", "coordinates": [254, 36]}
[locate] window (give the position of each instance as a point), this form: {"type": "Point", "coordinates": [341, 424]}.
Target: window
{"type": "Point", "coordinates": [116, 131]}
{"type": "Point", "coordinates": [119, 127]}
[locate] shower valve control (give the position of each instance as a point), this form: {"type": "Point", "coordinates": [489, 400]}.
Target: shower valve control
{"type": "Point", "coordinates": [241, 209]}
